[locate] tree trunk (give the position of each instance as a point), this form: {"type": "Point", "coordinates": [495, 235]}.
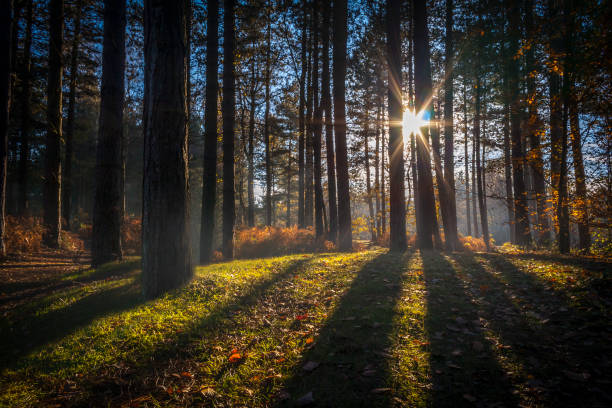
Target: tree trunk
{"type": "Point", "coordinates": [228, 129]}
{"type": "Point", "coordinates": [521, 211]}
{"type": "Point", "coordinates": [268, 73]}
{"type": "Point", "coordinates": [329, 128]}
{"type": "Point", "coordinates": [449, 143]}
{"type": "Point", "coordinates": [209, 178]}
{"type": "Point", "coordinates": [74, 66]}
{"type": "Point", "coordinates": [371, 222]}
{"type": "Point", "coordinates": [479, 176]}
{"type": "Point", "coordinates": [52, 184]}
{"type": "Point", "coordinates": [166, 255]}
{"type": "Point", "coordinates": [6, 11]}
{"type": "Point", "coordinates": [377, 171]}
{"type": "Point", "coordinates": [106, 235]}
{"type": "Point", "coordinates": [383, 198]}
{"type": "Point", "coordinates": [584, 235]}
{"type": "Point", "coordinates": [302, 126]}
{"type": "Point", "coordinates": [397, 206]}
{"type": "Point", "coordinates": [467, 157]}
{"type": "Point", "coordinates": [251, 152]}
{"type": "Point", "coordinates": [508, 169]}
{"type": "Point", "coordinates": [26, 118]}
{"type": "Point", "coordinates": [423, 92]}
{"type": "Point", "coordinates": [317, 127]}
{"type": "Point", "coordinates": [345, 239]}
{"type": "Point", "coordinates": [308, 189]}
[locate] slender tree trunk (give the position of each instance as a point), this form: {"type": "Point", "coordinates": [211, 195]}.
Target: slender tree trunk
{"type": "Point", "coordinates": [479, 172]}
{"type": "Point", "coordinates": [52, 184]}
{"type": "Point", "coordinates": [474, 192]}
{"type": "Point", "coordinates": [308, 188]}
{"type": "Point", "coordinates": [288, 195]}
{"type": "Point", "coordinates": [317, 127]}
{"type": "Point", "coordinates": [372, 221]}
{"type": "Point", "coordinates": [556, 114]}
{"type": "Point", "coordinates": [268, 203]}
{"type": "Point", "coordinates": [523, 235]}
{"type": "Point", "coordinates": [6, 16]}
{"type": "Point", "coordinates": [377, 171]}
{"type": "Point", "coordinates": [106, 235]}
{"type": "Point", "coordinates": [228, 129]}
{"type": "Point", "coordinates": [423, 91]}
{"type": "Point", "coordinates": [209, 178]}
{"type": "Point", "coordinates": [383, 197]}
{"type": "Point", "coordinates": [508, 169]}
{"type": "Point", "coordinates": [329, 128]}
{"type": "Point", "coordinates": [302, 126]}
{"type": "Point", "coordinates": [251, 152]}
{"type": "Point", "coordinates": [449, 143]}
{"type": "Point", "coordinates": [166, 257]}
{"type": "Point", "coordinates": [345, 239]}
{"type": "Point", "coordinates": [467, 157]}
{"type": "Point", "coordinates": [26, 118]}
{"type": "Point", "coordinates": [584, 235]}
{"type": "Point", "coordinates": [74, 66]}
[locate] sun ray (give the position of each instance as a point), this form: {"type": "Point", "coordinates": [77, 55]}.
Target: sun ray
{"type": "Point", "coordinates": [413, 122]}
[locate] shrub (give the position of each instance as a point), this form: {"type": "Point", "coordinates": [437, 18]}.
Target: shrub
{"type": "Point", "coordinates": [22, 234]}
{"type": "Point", "coordinates": [273, 241]}
{"type": "Point", "coordinates": [131, 236]}
{"type": "Point", "coordinates": [472, 243]}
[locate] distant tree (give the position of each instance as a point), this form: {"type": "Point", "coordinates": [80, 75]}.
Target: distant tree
{"type": "Point", "coordinates": [209, 187]}
{"type": "Point", "coordinates": [52, 185]}
{"type": "Point", "coordinates": [228, 111]}
{"type": "Point", "coordinates": [345, 239]}
{"type": "Point", "coordinates": [397, 215]}
{"type": "Point", "coordinates": [302, 122]}
{"type": "Point", "coordinates": [166, 255]}
{"type": "Point", "coordinates": [107, 214]}
{"type": "Point", "coordinates": [6, 20]}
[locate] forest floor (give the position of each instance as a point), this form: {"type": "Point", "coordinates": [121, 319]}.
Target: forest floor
{"type": "Point", "coordinates": [366, 329]}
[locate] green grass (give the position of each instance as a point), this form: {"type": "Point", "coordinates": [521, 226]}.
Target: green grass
{"type": "Point", "coordinates": [358, 329]}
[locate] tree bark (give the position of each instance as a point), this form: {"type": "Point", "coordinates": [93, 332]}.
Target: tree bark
{"type": "Point", "coordinates": [6, 20]}
{"type": "Point", "coordinates": [209, 188]}
{"type": "Point", "coordinates": [467, 157]}
{"type": "Point", "coordinates": [508, 166]}
{"type": "Point", "coordinates": [228, 129]}
{"type": "Point", "coordinates": [251, 151]}
{"type": "Point", "coordinates": [377, 170]}
{"type": "Point", "coordinates": [317, 128]}
{"type": "Point", "coordinates": [479, 171]}
{"type": "Point", "coordinates": [302, 126]}
{"type": "Point", "coordinates": [584, 235]}
{"type": "Point", "coordinates": [26, 118]}
{"type": "Point", "coordinates": [268, 73]}
{"type": "Point", "coordinates": [166, 255]}
{"type": "Point", "coordinates": [52, 184]}
{"type": "Point", "coordinates": [372, 219]}
{"type": "Point", "coordinates": [345, 239]}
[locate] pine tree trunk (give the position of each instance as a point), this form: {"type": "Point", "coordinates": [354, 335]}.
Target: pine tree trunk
{"type": "Point", "coordinates": [584, 236]}
{"type": "Point", "coordinates": [345, 239]}
{"type": "Point", "coordinates": [449, 143]}
{"type": "Point", "coordinates": [106, 235]}
{"type": "Point", "coordinates": [423, 91]}
{"type": "Point", "coordinates": [467, 167]}
{"type": "Point", "coordinates": [329, 128]}
{"type": "Point", "coordinates": [67, 175]}
{"type": "Point", "coordinates": [302, 126]}
{"type": "Point", "coordinates": [268, 203]}
{"type": "Point", "coordinates": [508, 171]}
{"type": "Point", "coordinates": [26, 118]}
{"type": "Point", "coordinates": [383, 195]}
{"type": "Point", "coordinates": [251, 152]}
{"type": "Point", "coordinates": [228, 129]}
{"type": "Point", "coordinates": [371, 222]}
{"type": "Point", "coordinates": [166, 255]}
{"type": "Point", "coordinates": [52, 184]}
{"type": "Point", "coordinates": [308, 188]}
{"type": "Point", "coordinates": [377, 171]}
{"type": "Point", "coordinates": [317, 128]}
{"type": "Point", "coordinates": [6, 11]}
{"type": "Point", "coordinates": [479, 176]}
{"type": "Point", "coordinates": [209, 178]}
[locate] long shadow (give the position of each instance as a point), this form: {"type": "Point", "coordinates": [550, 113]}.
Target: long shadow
{"type": "Point", "coordinates": [35, 329]}
{"type": "Point", "coordinates": [561, 359]}
{"type": "Point", "coordinates": [352, 348]}
{"type": "Point", "coordinates": [463, 366]}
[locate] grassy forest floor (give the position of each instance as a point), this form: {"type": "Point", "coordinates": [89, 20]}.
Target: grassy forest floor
{"type": "Point", "coordinates": [366, 329]}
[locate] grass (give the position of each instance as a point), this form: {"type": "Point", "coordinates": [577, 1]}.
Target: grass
{"type": "Point", "coordinates": [370, 328]}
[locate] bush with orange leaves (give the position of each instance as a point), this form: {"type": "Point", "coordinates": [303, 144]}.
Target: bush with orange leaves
{"type": "Point", "coordinates": [131, 236]}
{"type": "Point", "coordinates": [472, 243]}
{"type": "Point", "coordinates": [274, 241]}
{"type": "Point", "coordinates": [22, 234]}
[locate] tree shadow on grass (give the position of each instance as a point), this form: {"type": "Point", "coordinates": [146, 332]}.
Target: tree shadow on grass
{"type": "Point", "coordinates": [35, 326]}
{"type": "Point", "coordinates": [352, 348]}
{"type": "Point", "coordinates": [555, 351]}
{"type": "Point", "coordinates": [464, 369]}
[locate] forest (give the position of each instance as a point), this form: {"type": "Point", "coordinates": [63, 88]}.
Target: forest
{"type": "Point", "coordinates": [327, 203]}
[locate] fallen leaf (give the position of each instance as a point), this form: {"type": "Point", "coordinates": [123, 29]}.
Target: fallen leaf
{"type": "Point", "coordinates": [309, 340]}
{"type": "Point", "coordinates": [301, 317]}
{"type": "Point", "coordinates": [234, 358]}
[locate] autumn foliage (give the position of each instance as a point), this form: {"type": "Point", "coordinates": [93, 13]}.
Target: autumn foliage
{"type": "Point", "coordinates": [273, 241]}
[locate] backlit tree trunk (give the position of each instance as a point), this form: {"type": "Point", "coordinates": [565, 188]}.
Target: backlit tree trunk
{"type": "Point", "coordinates": [268, 78]}
{"type": "Point", "coordinates": [302, 125]}
{"type": "Point", "coordinates": [228, 129]}
{"type": "Point", "coordinates": [317, 128]}
{"type": "Point", "coordinates": [166, 253]}
{"type": "Point", "coordinates": [467, 167]}
{"type": "Point", "coordinates": [26, 118]}
{"type": "Point", "coordinates": [6, 15]}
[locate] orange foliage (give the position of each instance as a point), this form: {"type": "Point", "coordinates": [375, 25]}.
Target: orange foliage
{"type": "Point", "coordinates": [22, 234]}
{"type": "Point", "coordinates": [131, 236]}
{"type": "Point", "coordinates": [273, 241]}
{"type": "Point", "coordinates": [473, 244]}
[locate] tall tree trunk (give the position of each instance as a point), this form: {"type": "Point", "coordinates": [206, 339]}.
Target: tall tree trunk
{"type": "Point", "coordinates": [209, 178]}
{"type": "Point", "coordinates": [288, 195]}
{"type": "Point", "coordinates": [26, 118]}
{"type": "Point", "coordinates": [467, 157]}
{"type": "Point", "coordinates": [302, 125]}
{"type": "Point", "coordinates": [166, 255]}
{"type": "Point", "coordinates": [74, 67]}
{"type": "Point", "coordinates": [345, 239]}
{"type": "Point", "coordinates": [52, 185]}
{"type": "Point", "coordinates": [423, 92]}
{"type": "Point", "coordinates": [6, 20]}
{"type": "Point", "coordinates": [523, 235]}
{"type": "Point", "coordinates": [584, 235]}
{"type": "Point", "coordinates": [372, 219]}
{"type": "Point", "coordinates": [106, 234]}
{"type": "Point", "coordinates": [329, 128]}
{"type": "Point", "coordinates": [268, 73]}
{"type": "Point", "coordinates": [377, 170]}
{"type": "Point", "coordinates": [397, 205]}
{"type": "Point", "coordinates": [251, 152]}
{"type": "Point", "coordinates": [508, 167]}
{"type": "Point", "coordinates": [317, 128]}
{"type": "Point", "coordinates": [308, 188]}
{"type": "Point", "coordinates": [228, 129]}
{"type": "Point", "coordinates": [479, 171]}
{"type": "Point", "coordinates": [449, 143]}
{"type": "Point", "coordinates": [383, 195]}
{"type": "Point", "coordinates": [474, 192]}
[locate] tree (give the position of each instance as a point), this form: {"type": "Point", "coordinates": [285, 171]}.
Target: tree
{"type": "Point", "coordinates": [209, 187]}
{"type": "Point", "coordinates": [397, 214]}
{"type": "Point", "coordinates": [52, 185]}
{"type": "Point", "coordinates": [6, 20]}
{"type": "Point", "coordinates": [268, 75]}
{"type": "Point", "coordinates": [317, 128]}
{"type": "Point", "coordinates": [166, 255]}
{"type": "Point", "coordinates": [228, 129]}
{"type": "Point", "coordinates": [423, 92]}
{"type": "Point", "coordinates": [302, 124]}
{"type": "Point", "coordinates": [345, 239]}
{"type": "Point", "coordinates": [107, 214]}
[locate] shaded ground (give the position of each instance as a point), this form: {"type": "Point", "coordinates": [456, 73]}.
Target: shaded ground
{"type": "Point", "coordinates": [361, 329]}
